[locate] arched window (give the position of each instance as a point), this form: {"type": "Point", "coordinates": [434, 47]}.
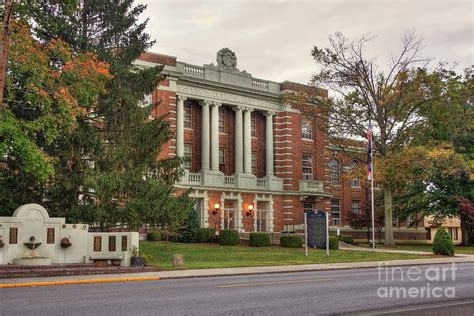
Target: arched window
{"type": "Point", "coordinates": [355, 181]}
{"type": "Point", "coordinates": [335, 171]}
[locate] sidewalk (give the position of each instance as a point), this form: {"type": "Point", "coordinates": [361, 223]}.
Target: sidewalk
{"type": "Point", "coordinates": [177, 274]}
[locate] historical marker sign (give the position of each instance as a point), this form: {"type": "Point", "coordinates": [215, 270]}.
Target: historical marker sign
{"type": "Point", "coordinates": [316, 222]}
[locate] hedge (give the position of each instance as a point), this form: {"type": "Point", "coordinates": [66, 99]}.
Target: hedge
{"type": "Point", "coordinates": [153, 236]}
{"type": "Point", "coordinates": [289, 241]}
{"type": "Point", "coordinates": [229, 237]}
{"type": "Point", "coordinates": [259, 240]}
{"type": "Point", "coordinates": [347, 239]}
{"type": "Point", "coordinates": [442, 243]}
{"type": "Point", "coordinates": [333, 242]}
{"type": "Point", "coordinates": [206, 235]}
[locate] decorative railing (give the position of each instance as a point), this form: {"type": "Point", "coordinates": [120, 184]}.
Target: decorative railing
{"type": "Point", "coordinates": [194, 178]}
{"type": "Point", "coordinates": [229, 180]}
{"type": "Point", "coordinates": [194, 70]}
{"type": "Point", "coordinates": [261, 182]}
{"type": "Point", "coordinates": [259, 83]}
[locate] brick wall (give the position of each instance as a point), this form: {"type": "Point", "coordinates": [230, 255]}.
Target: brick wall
{"type": "Point", "coordinates": [158, 59]}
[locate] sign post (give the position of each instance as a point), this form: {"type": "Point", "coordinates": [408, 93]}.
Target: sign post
{"type": "Point", "coordinates": [327, 234]}
{"type": "Point", "coordinates": [305, 235]}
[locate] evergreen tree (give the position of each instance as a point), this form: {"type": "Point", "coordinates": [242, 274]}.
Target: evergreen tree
{"type": "Point", "coordinates": [117, 147]}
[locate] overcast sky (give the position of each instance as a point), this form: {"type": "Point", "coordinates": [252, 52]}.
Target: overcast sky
{"type": "Point", "coordinates": [273, 38]}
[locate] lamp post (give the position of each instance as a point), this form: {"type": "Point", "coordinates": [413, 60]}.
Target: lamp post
{"type": "Point", "coordinates": [249, 212]}
{"type": "Point", "coordinates": [215, 212]}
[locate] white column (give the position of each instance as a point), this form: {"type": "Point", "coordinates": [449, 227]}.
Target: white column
{"type": "Point", "coordinates": [247, 142]}
{"type": "Point", "coordinates": [205, 145]}
{"type": "Point", "coordinates": [239, 145]}
{"type": "Point", "coordinates": [269, 143]}
{"type": "Point", "coordinates": [180, 125]}
{"type": "Point", "coordinates": [215, 136]}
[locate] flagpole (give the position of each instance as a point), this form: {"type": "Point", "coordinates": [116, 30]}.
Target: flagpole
{"type": "Point", "coordinates": [372, 186]}
{"type": "Point", "coordinates": [373, 213]}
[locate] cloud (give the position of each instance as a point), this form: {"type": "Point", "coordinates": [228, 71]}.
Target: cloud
{"type": "Point", "coordinates": [273, 39]}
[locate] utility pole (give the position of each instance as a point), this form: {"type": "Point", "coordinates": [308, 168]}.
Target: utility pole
{"type": "Point", "coordinates": [7, 6]}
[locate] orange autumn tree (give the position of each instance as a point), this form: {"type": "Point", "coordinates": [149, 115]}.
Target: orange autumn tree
{"type": "Point", "coordinates": [49, 92]}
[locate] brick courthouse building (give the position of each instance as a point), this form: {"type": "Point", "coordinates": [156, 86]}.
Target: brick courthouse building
{"type": "Point", "coordinates": [261, 158]}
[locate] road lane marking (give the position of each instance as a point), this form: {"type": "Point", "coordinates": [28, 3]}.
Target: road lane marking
{"type": "Point", "coordinates": [269, 283]}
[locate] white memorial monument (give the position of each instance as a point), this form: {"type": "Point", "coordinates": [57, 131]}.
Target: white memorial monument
{"type": "Point", "coordinates": [31, 237]}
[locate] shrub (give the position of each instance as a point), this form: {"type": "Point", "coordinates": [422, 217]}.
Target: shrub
{"type": "Point", "coordinates": [206, 234]}
{"type": "Point", "coordinates": [289, 241]}
{"type": "Point", "coordinates": [333, 242]}
{"type": "Point", "coordinates": [229, 237]}
{"type": "Point", "coordinates": [147, 259]}
{"type": "Point", "coordinates": [259, 240]}
{"type": "Point", "coordinates": [153, 236]}
{"type": "Point", "coordinates": [442, 243]}
{"type": "Point", "coordinates": [347, 239]}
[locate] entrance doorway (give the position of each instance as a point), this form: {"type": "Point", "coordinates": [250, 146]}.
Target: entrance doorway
{"type": "Point", "coordinates": [261, 216]}
{"type": "Point", "coordinates": [229, 215]}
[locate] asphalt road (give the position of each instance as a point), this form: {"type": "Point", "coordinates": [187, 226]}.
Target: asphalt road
{"type": "Point", "coordinates": [322, 292]}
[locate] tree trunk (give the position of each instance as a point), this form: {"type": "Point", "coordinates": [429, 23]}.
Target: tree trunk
{"type": "Point", "coordinates": [387, 199]}
{"type": "Point", "coordinates": [466, 237]}
{"type": "Point", "coordinates": [4, 42]}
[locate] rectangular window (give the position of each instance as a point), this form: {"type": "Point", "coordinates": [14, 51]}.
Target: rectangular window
{"type": "Point", "coordinates": [97, 243]}
{"type": "Point", "coordinates": [221, 160]}
{"type": "Point", "coordinates": [147, 100]}
{"type": "Point", "coordinates": [335, 212]}
{"type": "Point", "coordinates": [188, 156]}
{"type": "Point", "coordinates": [308, 207]}
{"type": "Point", "coordinates": [13, 235]}
{"type": "Point", "coordinates": [455, 233]}
{"type": "Point", "coordinates": [355, 207]}
{"type": "Point", "coordinates": [254, 162]}
{"type": "Point", "coordinates": [253, 124]}
{"type": "Point", "coordinates": [124, 243]}
{"type": "Point", "coordinates": [306, 129]}
{"type": "Point", "coordinates": [188, 116]}
{"type": "Point", "coordinates": [355, 183]}
{"type": "Point", "coordinates": [221, 120]}
{"type": "Point", "coordinates": [307, 164]}
{"type": "Point", "coordinates": [50, 236]}
{"type": "Point", "coordinates": [112, 243]}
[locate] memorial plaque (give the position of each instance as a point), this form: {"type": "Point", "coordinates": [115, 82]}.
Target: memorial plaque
{"type": "Point", "coordinates": [316, 222]}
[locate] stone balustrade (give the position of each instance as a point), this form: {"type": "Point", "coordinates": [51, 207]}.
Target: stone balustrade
{"type": "Point", "coordinates": [219, 180]}
{"type": "Point", "coordinates": [259, 83]}
{"type": "Point", "coordinates": [194, 70]}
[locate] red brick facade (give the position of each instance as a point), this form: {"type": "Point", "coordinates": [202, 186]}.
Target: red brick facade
{"type": "Point", "coordinates": [289, 146]}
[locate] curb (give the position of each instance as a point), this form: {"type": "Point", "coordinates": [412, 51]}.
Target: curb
{"type": "Point", "coordinates": [335, 268]}
{"type": "Point", "coordinates": [72, 282]}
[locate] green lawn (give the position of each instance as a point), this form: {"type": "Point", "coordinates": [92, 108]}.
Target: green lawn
{"type": "Point", "coordinates": [427, 247]}
{"type": "Point", "coordinates": [201, 256]}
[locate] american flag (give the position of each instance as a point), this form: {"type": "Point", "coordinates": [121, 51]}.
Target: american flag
{"type": "Point", "coordinates": [369, 152]}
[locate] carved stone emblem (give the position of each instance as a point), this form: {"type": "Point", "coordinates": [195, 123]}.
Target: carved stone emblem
{"type": "Point", "coordinates": [226, 58]}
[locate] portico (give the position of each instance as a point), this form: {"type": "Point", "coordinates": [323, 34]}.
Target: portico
{"type": "Point", "coordinates": [209, 175]}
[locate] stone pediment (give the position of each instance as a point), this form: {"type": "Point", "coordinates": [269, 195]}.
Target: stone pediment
{"type": "Point", "coordinates": [227, 62]}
